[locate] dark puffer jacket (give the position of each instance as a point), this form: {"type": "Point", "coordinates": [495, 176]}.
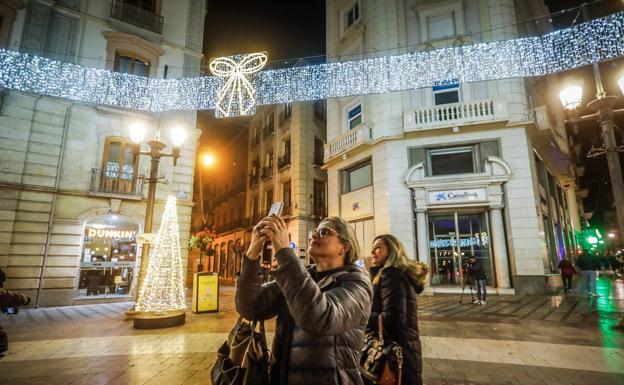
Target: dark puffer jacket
{"type": "Point", "coordinates": [394, 297]}
{"type": "Point", "coordinates": [320, 327]}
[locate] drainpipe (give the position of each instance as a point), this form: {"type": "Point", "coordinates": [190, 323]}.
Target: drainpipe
{"type": "Point", "coordinates": [54, 198]}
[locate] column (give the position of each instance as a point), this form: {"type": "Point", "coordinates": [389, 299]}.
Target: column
{"type": "Point", "coordinates": [422, 239]}
{"type": "Point", "coordinates": [573, 210]}
{"type": "Point", "coordinates": [497, 236]}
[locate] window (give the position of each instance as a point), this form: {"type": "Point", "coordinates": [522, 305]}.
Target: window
{"type": "Point", "coordinates": [358, 177]}
{"type": "Point", "coordinates": [47, 31]}
{"type": "Point", "coordinates": [453, 160]}
{"type": "Point", "coordinates": [146, 5]}
{"type": "Point", "coordinates": [446, 92]}
{"type": "Point", "coordinates": [268, 201]}
{"type": "Point", "coordinates": [118, 166]}
{"type": "Point", "coordinates": [319, 109]}
{"type": "Point", "coordinates": [441, 26]}
{"type": "Point", "coordinates": [254, 209]}
{"type": "Point", "coordinates": [319, 198]}
{"type": "Point", "coordinates": [286, 197]}
{"type": "Point", "coordinates": [351, 15]}
{"type": "Point", "coordinates": [354, 116]}
{"type": "Point", "coordinates": [318, 152]}
{"type": "Point", "coordinates": [287, 110]}
{"type": "Point", "coordinates": [130, 64]}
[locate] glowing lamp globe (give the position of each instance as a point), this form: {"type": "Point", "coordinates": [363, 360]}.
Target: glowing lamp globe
{"type": "Point", "coordinates": [571, 97]}
{"type": "Point", "coordinates": [178, 135]}
{"type": "Point", "coordinates": [137, 133]}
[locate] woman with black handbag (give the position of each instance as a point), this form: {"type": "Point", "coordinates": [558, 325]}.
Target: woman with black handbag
{"type": "Point", "coordinates": [321, 311]}
{"type": "Point", "coordinates": [397, 281]}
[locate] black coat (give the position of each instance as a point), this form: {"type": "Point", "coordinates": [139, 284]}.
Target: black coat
{"type": "Point", "coordinates": [320, 326]}
{"type": "Point", "coordinates": [394, 297]}
{"type": "Point", "coordinates": [477, 270]}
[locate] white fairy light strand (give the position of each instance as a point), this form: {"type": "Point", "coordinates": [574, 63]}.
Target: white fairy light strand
{"type": "Point", "coordinates": [594, 41]}
{"type": "Point", "coordinates": [163, 287]}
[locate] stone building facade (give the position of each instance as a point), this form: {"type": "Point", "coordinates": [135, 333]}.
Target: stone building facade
{"type": "Point", "coordinates": [72, 198]}
{"type": "Point", "coordinates": [456, 169]}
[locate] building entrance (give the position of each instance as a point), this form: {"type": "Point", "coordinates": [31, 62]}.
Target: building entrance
{"type": "Point", "coordinates": [452, 238]}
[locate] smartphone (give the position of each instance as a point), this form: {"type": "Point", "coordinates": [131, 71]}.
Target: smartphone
{"type": "Point", "coordinates": [276, 209]}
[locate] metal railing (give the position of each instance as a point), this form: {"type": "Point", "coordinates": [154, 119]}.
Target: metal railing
{"type": "Point", "coordinates": [283, 161]}
{"type": "Point", "coordinates": [131, 14]}
{"type": "Point", "coordinates": [112, 182]}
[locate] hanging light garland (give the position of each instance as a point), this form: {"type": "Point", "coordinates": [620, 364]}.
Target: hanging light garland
{"type": "Point", "coordinates": [594, 41]}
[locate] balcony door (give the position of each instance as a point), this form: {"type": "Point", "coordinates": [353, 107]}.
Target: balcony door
{"type": "Point", "coordinates": [119, 167]}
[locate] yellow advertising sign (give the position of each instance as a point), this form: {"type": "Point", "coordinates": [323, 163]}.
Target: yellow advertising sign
{"type": "Point", "coordinates": [205, 292]}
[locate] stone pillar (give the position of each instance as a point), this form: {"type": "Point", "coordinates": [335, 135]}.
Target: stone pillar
{"type": "Point", "coordinates": [497, 236]}
{"type": "Point", "coordinates": [421, 234]}
{"type": "Point", "coordinates": [573, 209]}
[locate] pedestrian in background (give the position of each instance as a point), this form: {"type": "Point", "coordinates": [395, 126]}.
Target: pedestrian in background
{"type": "Point", "coordinates": [477, 271]}
{"type": "Point", "coordinates": [397, 281]}
{"type": "Point", "coordinates": [589, 263]}
{"type": "Point", "coordinates": [321, 311]}
{"type": "Point", "coordinates": [567, 272]}
{"type": "Point", "coordinates": [2, 278]}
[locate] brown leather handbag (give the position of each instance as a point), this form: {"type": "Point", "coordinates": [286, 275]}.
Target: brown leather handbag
{"type": "Point", "coordinates": [244, 358]}
{"type": "Point", "coordinates": [381, 361]}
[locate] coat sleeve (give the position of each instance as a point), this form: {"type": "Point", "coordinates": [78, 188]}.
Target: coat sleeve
{"type": "Point", "coordinates": [254, 300]}
{"type": "Point", "coordinates": [393, 303]}
{"type": "Point", "coordinates": [332, 312]}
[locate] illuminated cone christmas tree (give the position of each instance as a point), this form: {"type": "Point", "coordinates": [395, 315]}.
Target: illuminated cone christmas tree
{"type": "Point", "coordinates": [163, 287]}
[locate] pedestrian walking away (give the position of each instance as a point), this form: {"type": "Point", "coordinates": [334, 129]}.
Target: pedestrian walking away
{"type": "Point", "coordinates": [321, 311]}
{"type": "Point", "coordinates": [589, 263]}
{"type": "Point", "coordinates": [397, 281]}
{"type": "Point", "coordinates": [477, 271]}
{"type": "Point", "coordinates": [567, 272]}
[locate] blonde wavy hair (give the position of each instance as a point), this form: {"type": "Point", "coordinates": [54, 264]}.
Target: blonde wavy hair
{"type": "Point", "coordinates": [346, 234]}
{"type": "Point", "coordinates": [397, 258]}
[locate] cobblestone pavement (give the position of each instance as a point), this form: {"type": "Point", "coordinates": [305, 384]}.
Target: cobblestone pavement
{"type": "Point", "coordinates": [511, 340]}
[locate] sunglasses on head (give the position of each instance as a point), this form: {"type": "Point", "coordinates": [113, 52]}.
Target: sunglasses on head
{"type": "Point", "coordinates": [323, 232]}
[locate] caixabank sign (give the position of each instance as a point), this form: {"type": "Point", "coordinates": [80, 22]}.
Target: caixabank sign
{"type": "Point", "coordinates": [456, 196]}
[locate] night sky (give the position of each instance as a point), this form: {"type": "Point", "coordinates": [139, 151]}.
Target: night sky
{"type": "Point", "coordinates": [295, 29]}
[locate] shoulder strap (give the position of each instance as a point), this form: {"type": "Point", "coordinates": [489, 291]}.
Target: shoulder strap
{"type": "Point", "coordinates": [381, 339]}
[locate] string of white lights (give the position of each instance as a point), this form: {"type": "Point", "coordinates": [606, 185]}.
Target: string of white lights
{"type": "Point", "coordinates": [163, 287]}
{"type": "Point", "coordinates": [594, 41]}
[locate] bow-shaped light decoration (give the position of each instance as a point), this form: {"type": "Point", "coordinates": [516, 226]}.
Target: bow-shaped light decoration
{"type": "Point", "coordinates": [237, 96]}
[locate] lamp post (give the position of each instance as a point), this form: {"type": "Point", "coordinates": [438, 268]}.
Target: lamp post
{"type": "Point", "coordinates": [156, 145]}
{"type": "Point", "coordinates": [207, 161]}
{"type": "Point", "coordinates": [603, 114]}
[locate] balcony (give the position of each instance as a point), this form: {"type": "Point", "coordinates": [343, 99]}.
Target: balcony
{"type": "Point", "coordinates": [283, 161]}
{"type": "Point", "coordinates": [359, 135]}
{"type": "Point", "coordinates": [253, 179]}
{"type": "Point", "coordinates": [136, 16]}
{"type": "Point", "coordinates": [267, 172]}
{"type": "Point", "coordinates": [111, 182]}
{"type": "Point", "coordinates": [456, 114]}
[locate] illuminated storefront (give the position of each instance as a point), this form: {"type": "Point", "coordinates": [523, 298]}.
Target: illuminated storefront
{"type": "Point", "coordinates": [108, 257]}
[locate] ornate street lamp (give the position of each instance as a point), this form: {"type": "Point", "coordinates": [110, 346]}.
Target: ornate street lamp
{"type": "Point", "coordinates": [603, 114]}
{"type": "Point", "coordinates": [156, 147]}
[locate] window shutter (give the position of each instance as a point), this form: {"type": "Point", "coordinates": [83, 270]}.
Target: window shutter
{"type": "Point", "coordinates": [35, 28]}
{"type": "Point", "coordinates": [61, 37]}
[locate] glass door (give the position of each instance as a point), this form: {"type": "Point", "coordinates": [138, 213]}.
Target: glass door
{"type": "Point", "coordinates": [452, 238]}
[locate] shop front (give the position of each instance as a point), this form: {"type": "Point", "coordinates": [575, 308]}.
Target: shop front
{"type": "Point", "coordinates": [458, 216]}
{"type": "Point", "coordinates": [108, 259]}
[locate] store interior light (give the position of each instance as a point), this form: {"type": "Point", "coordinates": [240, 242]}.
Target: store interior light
{"type": "Point", "coordinates": [571, 97]}
{"type": "Point", "coordinates": [611, 235]}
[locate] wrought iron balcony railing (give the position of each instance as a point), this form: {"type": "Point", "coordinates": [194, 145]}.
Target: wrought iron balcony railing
{"type": "Point", "coordinates": [112, 182]}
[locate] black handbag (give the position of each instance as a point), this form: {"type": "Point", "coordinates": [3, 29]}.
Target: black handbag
{"type": "Point", "coordinates": [244, 358]}
{"type": "Point", "coordinates": [381, 361]}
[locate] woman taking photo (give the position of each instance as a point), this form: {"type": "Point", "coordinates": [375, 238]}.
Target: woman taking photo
{"type": "Point", "coordinates": [396, 283]}
{"type": "Point", "coordinates": [321, 311]}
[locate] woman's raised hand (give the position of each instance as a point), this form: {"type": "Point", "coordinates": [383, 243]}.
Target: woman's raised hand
{"type": "Point", "coordinates": [276, 231]}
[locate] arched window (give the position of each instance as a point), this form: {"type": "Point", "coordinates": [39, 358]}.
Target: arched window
{"type": "Point", "coordinates": [119, 167]}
